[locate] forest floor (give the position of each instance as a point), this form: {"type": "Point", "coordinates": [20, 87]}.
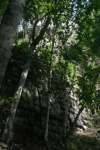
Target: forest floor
{"type": "Point", "coordinates": [84, 143]}
{"type": "Point", "coordinates": [87, 140]}
{"type": "Point", "coordinates": [90, 132]}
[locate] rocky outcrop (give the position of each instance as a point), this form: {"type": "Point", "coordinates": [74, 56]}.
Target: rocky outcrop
{"type": "Point", "coordinates": [29, 125]}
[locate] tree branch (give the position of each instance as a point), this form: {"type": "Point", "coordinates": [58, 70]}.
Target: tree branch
{"type": "Point", "coordinates": [42, 32]}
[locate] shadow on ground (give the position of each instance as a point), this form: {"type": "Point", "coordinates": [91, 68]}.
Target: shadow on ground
{"type": "Point", "coordinates": [81, 142]}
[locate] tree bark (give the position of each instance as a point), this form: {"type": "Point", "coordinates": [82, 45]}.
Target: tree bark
{"type": "Point", "coordinates": [48, 93]}
{"type": "Point", "coordinates": [8, 28]}
{"type": "Point", "coordinates": [9, 128]}
{"type": "Point", "coordinates": [10, 120]}
{"type": "Point", "coordinates": [0, 19]}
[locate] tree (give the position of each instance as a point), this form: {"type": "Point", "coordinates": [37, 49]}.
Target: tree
{"type": "Point", "coordinates": [8, 28]}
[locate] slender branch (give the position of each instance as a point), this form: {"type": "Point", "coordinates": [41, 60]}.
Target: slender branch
{"type": "Point", "coordinates": [34, 29]}
{"type": "Point", "coordinates": [42, 32]}
{"type": "Point", "coordinates": [49, 91]}
{"type": "Point", "coordinates": [77, 117]}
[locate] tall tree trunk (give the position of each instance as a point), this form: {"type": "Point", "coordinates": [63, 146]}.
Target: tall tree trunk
{"type": "Point", "coordinates": [66, 113]}
{"type": "Point", "coordinates": [0, 19]}
{"type": "Point", "coordinates": [8, 28]}
{"type": "Point", "coordinates": [47, 118]}
{"type": "Point", "coordinates": [10, 120]}
{"type": "Point", "coordinates": [49, 91]}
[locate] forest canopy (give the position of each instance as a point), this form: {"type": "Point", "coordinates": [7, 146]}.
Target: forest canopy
{"type": "Point", "coordinates": [49, 55]}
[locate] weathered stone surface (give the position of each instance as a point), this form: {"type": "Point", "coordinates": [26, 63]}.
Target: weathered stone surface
{"type": "Point", "coordinates": [30, 119]}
